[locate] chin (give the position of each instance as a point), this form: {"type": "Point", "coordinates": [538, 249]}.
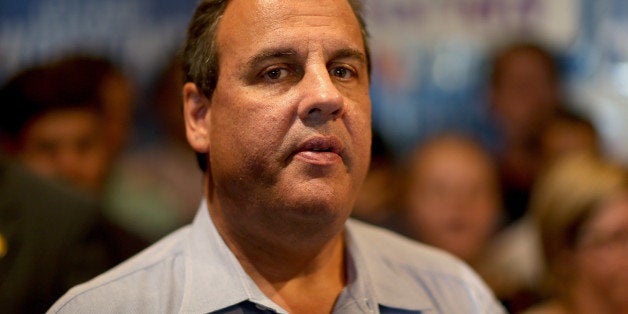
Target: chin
{"type": "Point", "coordinates": [308, 217]}
{"type": "Point", "coordinates": [326, 200]}
{"type": "Point", "coordinates": [317, 208]}
{"type": "Point", "coordinates": [323, 208]}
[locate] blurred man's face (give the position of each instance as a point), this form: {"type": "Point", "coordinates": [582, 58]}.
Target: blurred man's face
{"type": "Point", "coordinates": [289, 122]}
{"type": "Point", "coordinates": [526, 94]}
{"type": "Point", "coordinates": [66, 144]}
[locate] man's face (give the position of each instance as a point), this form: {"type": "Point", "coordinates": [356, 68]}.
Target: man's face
{"type": "Point", "coordinates": [289, 122]}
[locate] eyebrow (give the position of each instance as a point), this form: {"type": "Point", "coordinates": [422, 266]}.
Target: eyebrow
{"type": "Point", "coordinates": [282, 53]}
{"type": "Point", "coordinates": [349, 53]}
{"type": "Point", "coordinates": [269, 54]}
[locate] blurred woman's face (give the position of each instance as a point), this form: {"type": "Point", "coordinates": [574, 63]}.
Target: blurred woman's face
{"type": "Point", "coordinates": [601, 257]}
{"type": "Point", "coordinates": [453, 202]}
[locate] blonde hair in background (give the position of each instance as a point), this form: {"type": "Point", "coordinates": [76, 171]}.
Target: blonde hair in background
{"type": "Point", "coordinates": [563, 200]}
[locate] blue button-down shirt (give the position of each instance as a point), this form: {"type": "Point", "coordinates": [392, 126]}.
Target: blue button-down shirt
{"type": "Point", "coordinates": [193, 271]}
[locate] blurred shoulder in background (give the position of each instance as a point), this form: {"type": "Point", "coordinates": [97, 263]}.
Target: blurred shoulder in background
{"type": "Point", "coordinates": [53, 237]}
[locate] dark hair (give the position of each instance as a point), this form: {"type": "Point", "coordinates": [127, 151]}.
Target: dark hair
{"type": "Point", "coordinates": [200, 51]}
{"type": "Point", "coordinates": [65, 84]}
{"type": "Point", "coordinates": [502, 56]}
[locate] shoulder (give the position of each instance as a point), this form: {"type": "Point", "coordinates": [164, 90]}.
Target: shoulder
{"type": "Point", "coordinates": [151, 278]}
{"type": "Point", "coordinates": [394, 261]}
{"type": "Point", "coordinates": [382, 244]}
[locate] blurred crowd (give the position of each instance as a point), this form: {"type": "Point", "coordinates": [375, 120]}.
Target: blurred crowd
{"type": "Point", "coordinates": [75, 197]}
{"type": "Point", "coordinates": [541, 214]}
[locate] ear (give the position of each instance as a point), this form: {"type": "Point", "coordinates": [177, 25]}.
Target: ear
{"type": "Point", "coordinates": [196, 114]}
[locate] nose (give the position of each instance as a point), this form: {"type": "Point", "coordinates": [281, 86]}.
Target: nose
{"type": "Point", "coordinates": [321, 101]}
{"type": "Point", "coordinates": [68, 164]}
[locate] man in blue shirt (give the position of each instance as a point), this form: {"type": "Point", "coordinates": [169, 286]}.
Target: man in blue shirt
{"type": "Point", "coordinates": [276, 103]}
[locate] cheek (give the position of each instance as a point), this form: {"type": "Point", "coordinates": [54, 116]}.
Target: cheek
{"type": "Point", "coordinates": [485, 212]}
{"type": "Point", "coordinates": [247, 136]}
{"type": "Point", "coordinates": [38, 163]}
{"type": "Point", "coordinates": [602, 271]}
{"type": "Point", "coordinates": [424, 212]}
{"type": "Point", "coordinates": [360, 123]}
{"type": "Point", "coordinates": [39, 160]}
{"type": "Point", "coordinates": [96, 163]}
{"type": "Point", "coordinates": [429, 199]}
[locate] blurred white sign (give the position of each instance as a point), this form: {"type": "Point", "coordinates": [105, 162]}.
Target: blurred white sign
{"type": "Point", "coordinates": [425, 21]}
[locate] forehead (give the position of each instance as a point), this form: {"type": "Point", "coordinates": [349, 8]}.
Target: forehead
{"type": "Point", "coordinates": [249, 25]}
{"type": "Point", "coordinates": [63, 121]}
{"type": "Point", "coordinates": [526, 62]}
{"type": "Point", "coordinates": [453, 151]}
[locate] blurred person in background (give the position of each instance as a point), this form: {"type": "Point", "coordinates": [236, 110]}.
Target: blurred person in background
{"type": "Point", "coordinates": [54, 160]}
{"type": "Point", "coordinates": [52, 238]}
{"type": "Point", "coordinates": [69, 120]}
{"type": "Point", "coordinates": [450, 196]}
{"type": "Point", "coordinates": [136, 189]}
{"type": "Point", "coordinates": [567, 132]}
{"type": "Point", "coordinates": [151, 189]}
{"type": "Point", "coordinates": [514, 269]}
{"type": "Point", "coordinates": [54, 128]}
{"type": "Point", "coordinates": [580, 207]}
{"type": "Point", "coordinates": [113, 88]}
{"type": "Point", "coordinates": [525, 90]}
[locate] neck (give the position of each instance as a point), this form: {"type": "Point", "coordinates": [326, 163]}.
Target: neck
{"type": "Point", "coordinates": [288, 266]}
{"type": "Point", "coordinates": [291, 281]}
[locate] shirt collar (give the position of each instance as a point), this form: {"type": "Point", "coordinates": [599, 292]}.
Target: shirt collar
{"type": "Point", "coordinates": [214, 279]}
{"type": "Point", "coordinates": [380, 277]}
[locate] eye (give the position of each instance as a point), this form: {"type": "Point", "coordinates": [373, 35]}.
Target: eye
{"type": "Point", "coordinates": [275, 74]}
{"type": "Point", "coordinates": [45, 147]}
{"type": "Point", "coordinates": [341, 73]}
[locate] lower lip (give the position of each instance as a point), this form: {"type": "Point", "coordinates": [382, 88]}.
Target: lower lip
{"type": "Point", "coordinates": [319, 158]}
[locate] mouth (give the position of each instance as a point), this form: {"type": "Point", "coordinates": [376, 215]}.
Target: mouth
{"type": "Point", "coordinates": [320, 150]}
